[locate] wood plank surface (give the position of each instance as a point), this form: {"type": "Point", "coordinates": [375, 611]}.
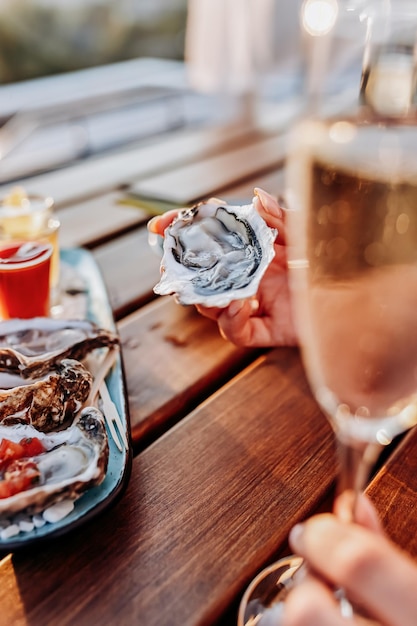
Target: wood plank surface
{"type": "Point", "coordinates": [273, 182]}
{"type": "Point", "coordinates": [207, 176]}
{"type": "Point", "coordinates": [174, 358]}
{"type": "Point", "coordinates": [130, 270]}
{"type": "Point", "coordinates": [88, 223]}
{"type": "Point", "coordinates": [207, 506]}
{"type": "Point", "coordinates": [102, 81]}
{"type": "Point", "coordinates": [104, 173]}
{"type": "Point", "coordinates": [394, 491]}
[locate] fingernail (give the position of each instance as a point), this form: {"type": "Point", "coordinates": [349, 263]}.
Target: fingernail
{"type": "Point", "coordinates": [235, 307]}
{"type": "Point", "coordinates": [269, 203]}
{"type": "Point", "coordinates": [151, 225]}
{"type": "Point", "coordinates": [295, 537]}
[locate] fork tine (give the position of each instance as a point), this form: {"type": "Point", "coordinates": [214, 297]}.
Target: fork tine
{"type": "Point", "coordinates": [112, 415]}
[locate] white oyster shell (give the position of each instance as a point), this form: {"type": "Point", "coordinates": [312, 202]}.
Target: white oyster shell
{"type": "Point", "coordinates": [215, 253]}
{"type": "Point", "coordinates": [30, 347]}
{"type": "Point", "coordinates": [75, 460]}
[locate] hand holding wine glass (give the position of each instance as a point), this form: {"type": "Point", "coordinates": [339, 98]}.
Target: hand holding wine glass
{"type": "Point", "coordinates": [366, 564]}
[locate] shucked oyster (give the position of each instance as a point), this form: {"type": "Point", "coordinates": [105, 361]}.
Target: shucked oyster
{"type": "Point", "coordinates": [215, 253]}
{"type": "Point", "coordinates": [31, 347]}
{"type": "Point", "coordinates": [73, 460]}
{"type": "Point", "coordinates": [45, 403]}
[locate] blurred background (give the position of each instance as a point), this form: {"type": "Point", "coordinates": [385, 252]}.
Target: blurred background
{"type": "Point", "coordinates": [82, 77]}
{"type": "Point", "coordinates": [44, 37]}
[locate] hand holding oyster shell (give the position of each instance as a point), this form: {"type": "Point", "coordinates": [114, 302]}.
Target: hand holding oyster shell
{"type": "Point", "coordinates": [263, 317]}
{"type": "Point", "coordinates": [215, 253]}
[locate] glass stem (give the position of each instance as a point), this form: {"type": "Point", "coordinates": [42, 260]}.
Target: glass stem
{"type": "Point", "coordinates": [356, 459]}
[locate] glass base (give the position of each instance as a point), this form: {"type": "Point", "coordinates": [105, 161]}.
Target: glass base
{"type": "Point", "coordinates": [262, 602]}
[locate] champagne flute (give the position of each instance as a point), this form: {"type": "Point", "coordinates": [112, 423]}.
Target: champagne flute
{"type": "Point", "coordinates": [352, 230]}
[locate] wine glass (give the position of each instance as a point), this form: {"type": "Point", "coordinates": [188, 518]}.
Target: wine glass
{"type": "Point", "coordinates": [351, 191]}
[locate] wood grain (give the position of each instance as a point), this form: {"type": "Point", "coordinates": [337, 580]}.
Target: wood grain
{"type": "Point", "coordinates": [130, 270]}
{"type": "Point", "coordinates": [174, 358]}
{"type": "Point", "coordinates": [394, 491]}
{"type": "Point", "coordinates": [105, 173]}
{"type": "Point", "coordinates": [90, 222]}
{"type": "Point", "coordinates": [211, 175]}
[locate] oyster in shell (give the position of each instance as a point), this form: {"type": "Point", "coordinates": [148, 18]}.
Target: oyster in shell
{"type": "Point", "coordinates": [47, 402]}
{"type": "Point", "coordinates": [31, 347]}
{"type": "Point", "coordinates": [74, 460]}
{"type": "Point", "coordinates": [215, 253]}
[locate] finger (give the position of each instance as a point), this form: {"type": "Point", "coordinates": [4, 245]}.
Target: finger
{"type": "Point", "coordinates": [364, 511]}
{"type": "Point", "coordinates": [233, 309]}
{"type": "Point", "coordinates": [312, 603]}
{"type": "Point", "coordinates": [270, 210]}
{"type": "Point", "coordinates": [238, 325]}
{"type": "Point", "coordinates": [211, 312]}
{"type": "Point", "coordinates": [373, 571]}
{"type": "Point", "coordinates": [159, 223]}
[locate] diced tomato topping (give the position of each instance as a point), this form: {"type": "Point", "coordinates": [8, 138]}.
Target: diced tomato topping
{"type": "Point", "coordinates": [6, 490]}
{"type": "Point", "coordinates": [17, 471]}
{"type": "Point", "coordinates": [11, 451]}
{"type": "Point", "coordinates": [20, 475]}
{"type": "Point", "coordinates": [32, 446]}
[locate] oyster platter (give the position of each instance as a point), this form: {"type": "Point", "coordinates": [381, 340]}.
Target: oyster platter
{"type": "Point", "coordinates": [64, 444]}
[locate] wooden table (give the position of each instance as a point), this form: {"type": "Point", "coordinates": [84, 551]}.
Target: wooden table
{"type": "Point", "coordinates": [230, 449]}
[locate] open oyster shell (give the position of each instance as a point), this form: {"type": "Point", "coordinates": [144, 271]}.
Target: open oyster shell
{"type": "Point", "coordinates": [215, 253]}
{"type": "Point", "coordinates": [75, 460]}
{"type": "Point", "coordinates": [30, 347]}
{"type": "Point", "coordinates": [48, 402]}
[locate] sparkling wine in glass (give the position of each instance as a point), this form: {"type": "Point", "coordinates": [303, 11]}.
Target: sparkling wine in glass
{"type": "Point", "coordinates": [351, 192]}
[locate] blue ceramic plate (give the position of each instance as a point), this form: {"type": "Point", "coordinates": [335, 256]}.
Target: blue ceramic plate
{"type": "Point", "coordinates": [91, 289]}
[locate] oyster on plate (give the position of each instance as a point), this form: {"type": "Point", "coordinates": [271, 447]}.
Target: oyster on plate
{"type": "Point", "coordinates": [70, 462]}
{"type": "Point", "coordinates": [51, 448]}
{"type": "Point", "coordinates": [215, 253]}
{"type": "Point", "coordinates": [31, 347]}
{"type": "Point", "coordinates": [47, 402]}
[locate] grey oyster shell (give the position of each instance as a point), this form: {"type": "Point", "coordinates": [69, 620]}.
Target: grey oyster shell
{"type": "Point", "coordinates": [215, 253]}
{"type": "Point", "coordinates": [75, 460]}
{"type": "Point", "coordinates": [30, 347]}
{"type": "Point", "coordinates": [48, 402]}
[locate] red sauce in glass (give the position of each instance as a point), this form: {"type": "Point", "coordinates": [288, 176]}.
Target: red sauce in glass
{"type": "Point", "coordinates": [24, 279]}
